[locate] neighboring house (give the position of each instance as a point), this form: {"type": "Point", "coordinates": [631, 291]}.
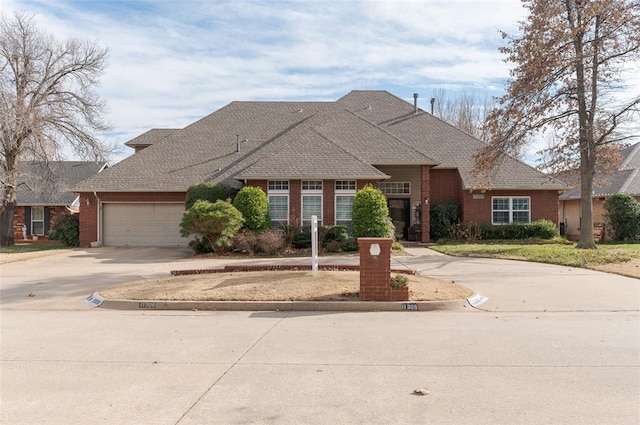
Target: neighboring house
{"type": "Point", "coordinates": [310, 158]}
{"type": "Point", "coordinates": [43, 194]}
{"type": "Point", "coordinates": [625, 180]}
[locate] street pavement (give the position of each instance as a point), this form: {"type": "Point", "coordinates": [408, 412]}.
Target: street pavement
{"type": "Point", "coordinates": [552, 345]}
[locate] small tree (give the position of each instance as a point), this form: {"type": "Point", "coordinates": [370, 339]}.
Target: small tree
{"type": "Point", "coordinates": [623, 214]}
{"type": "Point", "coordinates": [252, 202]}
{"type": "Point", "coordinates": [218, 222]}
{"type": "Point", "coordinates": [66, 229]}
{"type": "Point", "coordinates": [370, 216]}
{"type": "Point", "coordinates": [209, 191]}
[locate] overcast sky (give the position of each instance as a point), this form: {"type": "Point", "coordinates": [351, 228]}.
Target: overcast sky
{"type": "Point", "coordinates": [172, 62]}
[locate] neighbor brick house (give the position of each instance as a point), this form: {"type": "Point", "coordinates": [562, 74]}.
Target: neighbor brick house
{"type": "Point", "coordinates": [43, 194]}
{"type": "Point", "coordinates": [310, 158]}
{"type": "Point", "coordinates": [626, 179]}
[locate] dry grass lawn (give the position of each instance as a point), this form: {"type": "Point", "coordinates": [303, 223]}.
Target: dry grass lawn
{"type": "Point", "coordinates": [273, 286]}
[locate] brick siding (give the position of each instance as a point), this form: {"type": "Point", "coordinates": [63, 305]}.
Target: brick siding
{"type": "Point", "coordinates": [19, 220]}
{"type": "Point", "coordinates": [544, 205]}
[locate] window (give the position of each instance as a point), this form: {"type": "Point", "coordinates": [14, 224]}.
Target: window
{"type": "Point", "coordinates": [278, 185]}
{"type": "Point", "coordinates": [507, 210]}
{"type": "Point", "coordinates": [37, 220]}
{"type": "Point", "coordinates": [345, 192]}
{"type": "Point", "coordinates": [279, 210]}
{"type": "Point", "coordinates": [344, 208]}
{"type": "Point", "coordinates": [395, 188]}
{"type": "Point", "coordinates": [345, 185]}
{"type": "Point", "coordinates": [311, 201]}
{"type": "Point", "coordinates": [311, 185]}
{"type": "Point", "coordinates": [278, 196]}
{"type": "Point", "coordinates": [311, 205]}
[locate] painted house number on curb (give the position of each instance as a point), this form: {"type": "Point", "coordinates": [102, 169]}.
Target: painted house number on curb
{"type": "Point", "coordinates": [94, 300]}
{"type": "Point", "coordinates": [146, 305]}
{"type": "Point", "coordinates": [410, 306]}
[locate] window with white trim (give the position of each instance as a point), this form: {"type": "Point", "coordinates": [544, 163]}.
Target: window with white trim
{"type": "Point", "coordinates": [37, 220]}
{"type": "Point", "coordinates": [510, 210]}
{"type": "Point", "coordinates": [345, 193]}
{"type": "Point", "coordinates": [311, 201]}
{"type": "Point", "coordinates": [278, 196]}
{"type": "Point", "coordinates": [395, 188]}
{"type": "Point", "coordinates": [345, 186]}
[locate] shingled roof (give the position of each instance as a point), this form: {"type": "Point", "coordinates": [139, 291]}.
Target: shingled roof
{"type": "Point", "coordinates": [345, 139]}
{"type": "Point", "coordinates": [150, 137]}
{"type": "Point", "coordinates": [625, 180]}
{"type": "Point", "coordinates": [49, 183]}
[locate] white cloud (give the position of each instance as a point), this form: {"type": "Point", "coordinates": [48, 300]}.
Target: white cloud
{"type": "Point", "coordinates": [172, 62]}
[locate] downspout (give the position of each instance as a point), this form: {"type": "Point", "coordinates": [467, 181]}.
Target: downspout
{"type": "Point", "coordinates": [99, 220]}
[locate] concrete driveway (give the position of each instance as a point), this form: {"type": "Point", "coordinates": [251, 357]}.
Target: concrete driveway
{"type": "Point", "coordinates": [507, 362]}
{"type": "Point", "coordinates": [63, 281]}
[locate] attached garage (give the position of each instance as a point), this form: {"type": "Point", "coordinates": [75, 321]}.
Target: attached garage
{"type": "Point", "coordinates": [142, 224]}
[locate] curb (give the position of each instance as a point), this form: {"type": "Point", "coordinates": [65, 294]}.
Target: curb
{"type": "Point", "coordinates": [345, 306]}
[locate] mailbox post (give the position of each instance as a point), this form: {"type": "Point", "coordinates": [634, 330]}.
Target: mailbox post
{"type": "Point", "coordinates": [375, 271]}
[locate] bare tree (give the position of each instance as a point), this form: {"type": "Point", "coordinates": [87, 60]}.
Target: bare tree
{"type": "Point", "coordinates": [46, 103]}
{"type": "Point", "coordinates": [466, 110]}
{"type": "Point", "coordinates": [569, 60]}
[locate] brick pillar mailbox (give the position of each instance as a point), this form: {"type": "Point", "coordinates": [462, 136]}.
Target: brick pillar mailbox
{"type": "Point", "coordinates": [375, 271]}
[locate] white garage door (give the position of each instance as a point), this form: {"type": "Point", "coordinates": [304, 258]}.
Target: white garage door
{"type": "Point", "coordinates": [142, 224]}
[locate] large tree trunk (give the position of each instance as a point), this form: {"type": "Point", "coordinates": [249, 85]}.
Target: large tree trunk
{"type": "Point", "coordinates": [587, 164]}
{"type": "Point", "coordinates": [8, 207]}
{"type": "Point", "coordinates": [6, 225]}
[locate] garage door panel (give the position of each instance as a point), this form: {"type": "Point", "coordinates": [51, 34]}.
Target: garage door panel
{"type": "Point", "coordinates": [143, 224]}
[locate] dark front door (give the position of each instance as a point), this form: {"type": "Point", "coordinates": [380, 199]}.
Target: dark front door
{"type": "Point", "coordinates": [400, 213]}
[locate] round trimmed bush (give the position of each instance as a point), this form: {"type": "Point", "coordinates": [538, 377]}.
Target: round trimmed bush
{"type": "Point", "coordinates": [252, 202]}
{"type": "Point", "coordinates": [370, 218]}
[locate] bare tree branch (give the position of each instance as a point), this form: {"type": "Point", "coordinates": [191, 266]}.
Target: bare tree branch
{"type": "Point", "coordinates": [46, 102]}
{"type": "Point", "coordinates": [568, 55]}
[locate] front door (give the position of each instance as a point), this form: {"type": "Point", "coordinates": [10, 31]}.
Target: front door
{"type": "Point", "coordinates": [400, 213]}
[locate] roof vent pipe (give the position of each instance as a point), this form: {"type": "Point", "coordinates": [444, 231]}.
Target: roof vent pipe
{"type": "Point", "coordinates": [415, 103]}
{"type": "Point", "coordinates": [433, 102]}
{"type": "Point", "coordinates": [238, 141]}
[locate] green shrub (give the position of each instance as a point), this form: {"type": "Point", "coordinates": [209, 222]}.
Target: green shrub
{"type": "Point", "coordinates": [350, 245]}
{"type": "Point", "coordinates": [370, 216]}
{"type": "Point", "coordinates": [252, 202]}
{"type": "Point", "coordinates": [542, 229]}
{"type": "Point", "coordinates": [200, 245]}
{"type": "Point", "coordinates": [332, 246]}
{"type": "Point", "coordinates": [218, 222]}
{"type": "Point", "coordinates": [333, 234]}
{"type": "Point", "coordinates": [442, 217]}
{"type": "Point", "coordinates": [302, 239]}
{"type": "Point", "coordinates": [397, 246]}
{"type": "Point", "coordinates": [66, 229]}
{"type": "Point", "coordinates": [622, 212]}
{"type": "Point", "coordinates": [399, 281]}
{"type": "Point", "coordinates": [208, 191]}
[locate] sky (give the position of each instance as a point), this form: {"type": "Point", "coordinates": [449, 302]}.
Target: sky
{"type": "Point", "coordinates": [172, 62]}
